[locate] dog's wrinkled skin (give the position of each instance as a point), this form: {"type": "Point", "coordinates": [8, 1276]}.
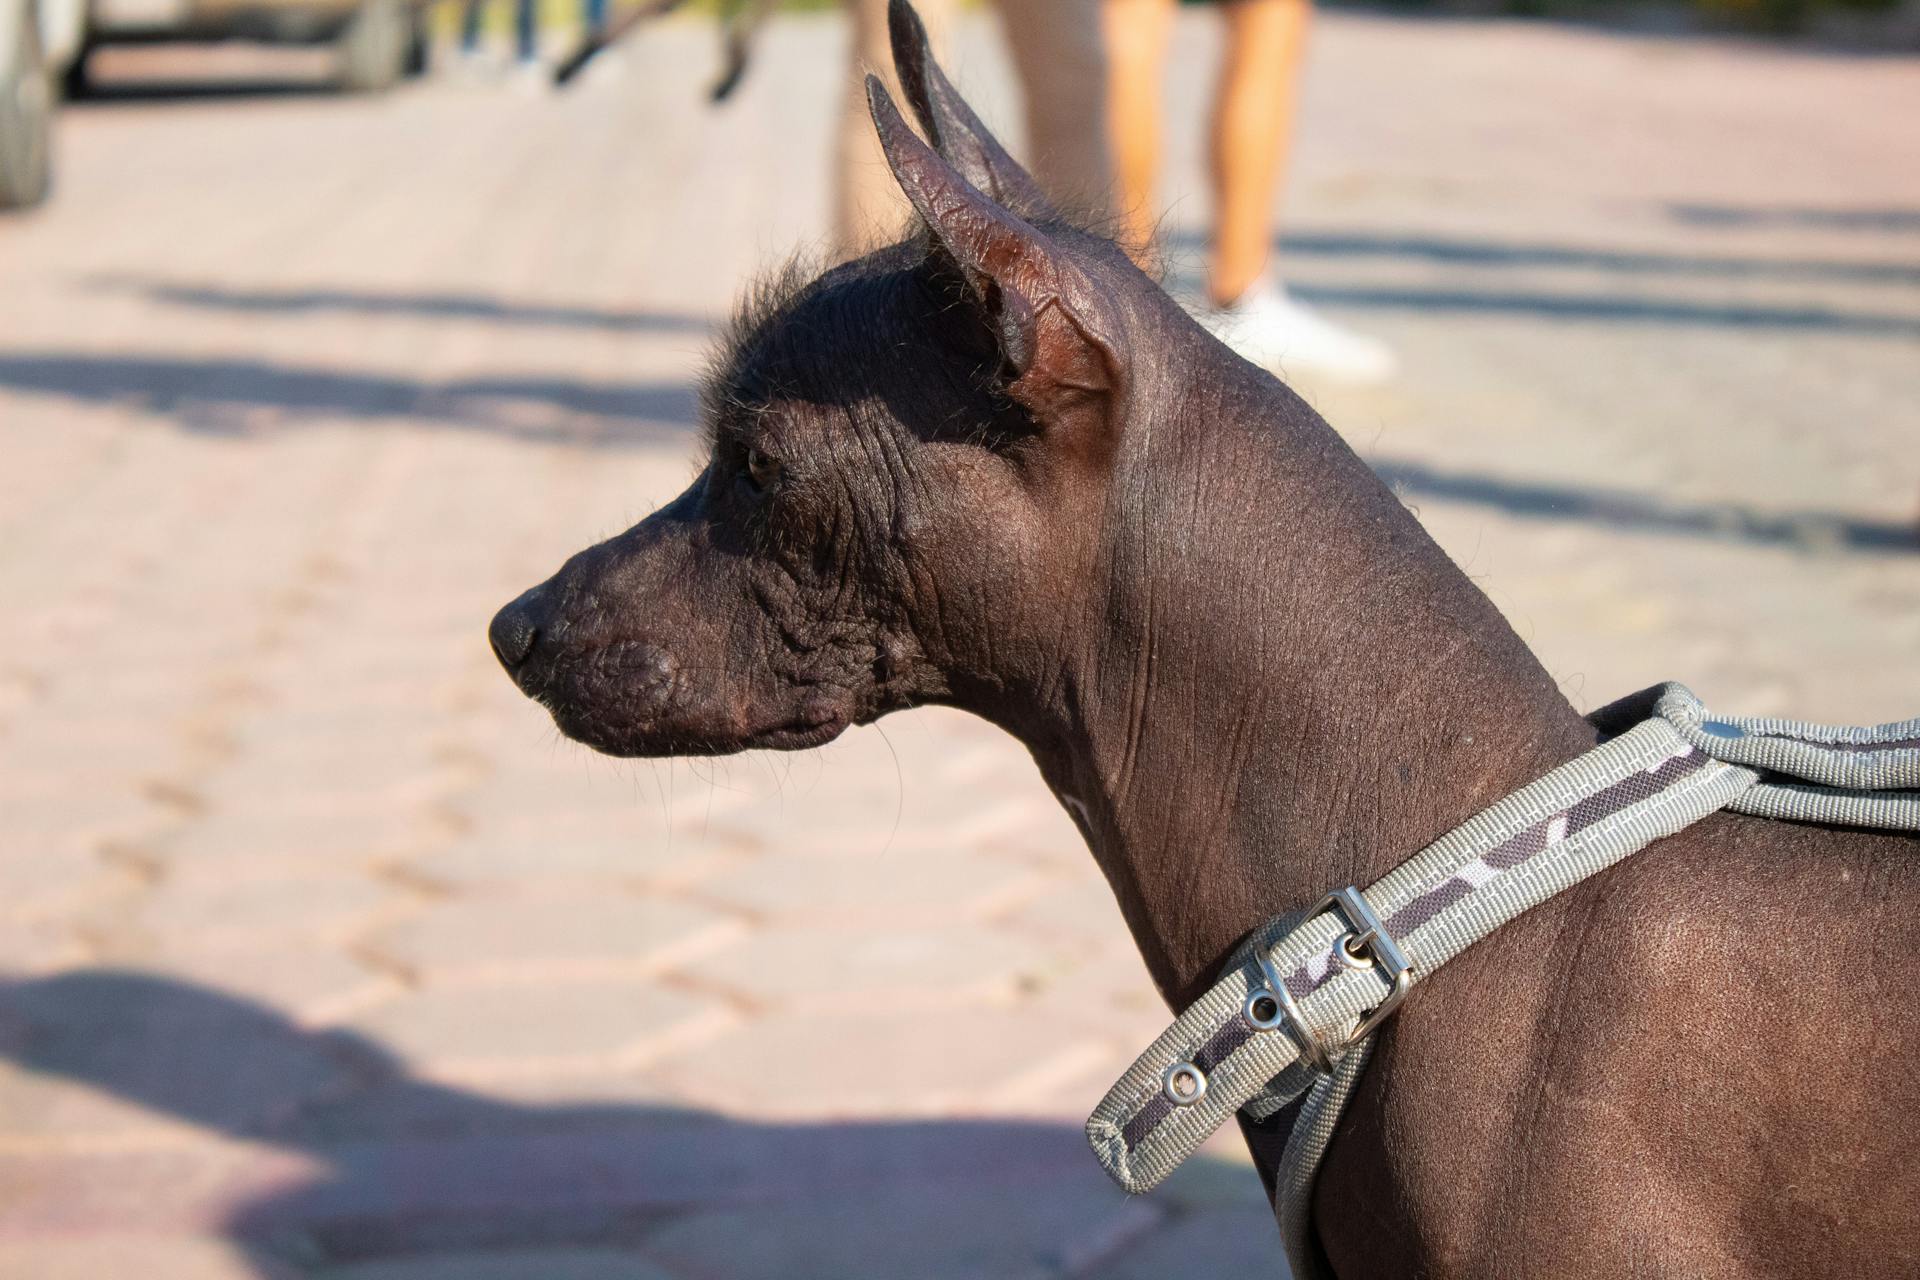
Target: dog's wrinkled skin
{"type": "Point", "coordinates": [995, 467]}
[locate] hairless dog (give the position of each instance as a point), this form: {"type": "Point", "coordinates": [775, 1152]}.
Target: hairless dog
{"type": "Point", "coordinates": [994, 466]}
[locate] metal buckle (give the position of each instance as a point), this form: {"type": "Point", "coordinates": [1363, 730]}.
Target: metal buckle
{"type": "Point", "coordinates": [1367, 945]}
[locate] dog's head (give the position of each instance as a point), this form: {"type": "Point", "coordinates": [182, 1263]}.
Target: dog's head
{"type": "Point", "coordinates": [910, 458]}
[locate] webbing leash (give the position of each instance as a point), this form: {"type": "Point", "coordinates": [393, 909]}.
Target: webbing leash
{"type": "Point", "coordinates": [1296, 1009]}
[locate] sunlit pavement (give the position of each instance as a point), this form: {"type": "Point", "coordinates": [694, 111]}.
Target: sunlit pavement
{"type": "Point", "coordinates": [329, 958]}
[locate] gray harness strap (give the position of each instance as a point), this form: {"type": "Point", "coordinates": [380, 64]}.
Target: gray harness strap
{"type": "Point", "coordinates": [1296, 1008]}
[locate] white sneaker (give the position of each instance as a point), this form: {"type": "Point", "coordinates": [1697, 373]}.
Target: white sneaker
{"type": "Point", "coordinates": [1269, 328]}
{"type": "Point", "coordinates": [530, 76]}
{"type": "Point", "coordinates": [471, 65]}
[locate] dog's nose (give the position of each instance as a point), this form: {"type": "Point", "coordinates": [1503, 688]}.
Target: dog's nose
{"type": "Point", "coordinates": [513, 633]}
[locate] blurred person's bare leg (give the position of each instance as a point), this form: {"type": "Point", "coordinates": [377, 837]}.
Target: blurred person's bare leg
{"type": "Point", "coordinates": [1061, 60]}
{"type": "Point", "coordinates": [868, 209]}
{"type": "Point", "coordinates": [1246, 306]}
{"type": "Point", "coordinates": [1251, 130]}
{"type": "Point", "coordinates": [1136, 34]}
{"type": "Point", "coordinates": [472, 16]}
{"type": "Point", "coordinates": [526, 31]}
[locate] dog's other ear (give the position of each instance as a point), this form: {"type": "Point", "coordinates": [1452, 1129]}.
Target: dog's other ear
{"type": "Point", "coordinates": [952, 127]}
{"type": "Point", "coordinates": [1052, 325]}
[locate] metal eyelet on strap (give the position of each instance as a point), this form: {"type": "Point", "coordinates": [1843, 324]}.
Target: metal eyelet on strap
{"type": "Point", "coordinates": [1262, 1010]}
{"type": "Point", "coordinates": [1183, 1084]}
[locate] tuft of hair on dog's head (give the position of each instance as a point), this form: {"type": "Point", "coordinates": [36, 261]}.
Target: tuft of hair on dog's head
{"type": "Point", "coordinates": [800, 332]}
{"type": "Point", "coordinates": [771, 343]}
{"type": "Point", "coordinates": [769, 295]}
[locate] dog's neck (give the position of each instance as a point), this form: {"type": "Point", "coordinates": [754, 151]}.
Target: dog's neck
{"type": "Point", "coordinates": [1294, 688]}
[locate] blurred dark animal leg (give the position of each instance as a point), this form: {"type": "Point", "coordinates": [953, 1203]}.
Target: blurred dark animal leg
{"type": "Point", "coordinates": [737, 39]}
{"type": "Point", "coordinates": [609, 35]}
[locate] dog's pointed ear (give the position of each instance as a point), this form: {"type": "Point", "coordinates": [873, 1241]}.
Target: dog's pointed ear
{"type": "Point", "coordinates": [1053, 327]}
{"type": "Point", "coordinates": [951, 126]}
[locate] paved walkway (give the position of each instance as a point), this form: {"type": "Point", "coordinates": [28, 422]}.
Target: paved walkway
{"type": "Point", "coordinates": [326, 958]}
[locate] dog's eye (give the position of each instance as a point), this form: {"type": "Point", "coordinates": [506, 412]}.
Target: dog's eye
{"type": "Point", "coordinates": [763, 471]}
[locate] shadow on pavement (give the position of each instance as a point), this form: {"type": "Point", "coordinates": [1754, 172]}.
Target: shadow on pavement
{"type": "Point", "coordinates": [1469, 252]}
{"type": "Point", "coordinates": [245, 397]}
{"type": "Point", "coordinates": [147, 92]}
{"type": "Point", "coordinates": [1492, 298]}
{"type": "Point", "coordinates": [391, 1166]}
{"type": "Point", "coordinates": [1879, 221]}
{"type": "Point", "coordinates": [440, 306]}
{"type": "Point", "coordinates": [1609, 309]}
{"type": "Point", "coordinates": [1658, 26]}
{"type": "Point", "coordinates": [1646, 513]}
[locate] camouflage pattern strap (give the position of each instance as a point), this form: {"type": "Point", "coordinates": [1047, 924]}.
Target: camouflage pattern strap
{"type": "Point", "coordinates": [1810, 772]}
{"type": "Point", "coordinates": [1549, 835]}
{"type": "Point", "coordinates": [1846, 760]}
{"type": "Point", "coordinates": [1282, 1020]}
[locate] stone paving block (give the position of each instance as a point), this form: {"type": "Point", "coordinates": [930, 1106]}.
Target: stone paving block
{"type": "Point", "coordinates": [505, 1264]}
{"type": "Point", "coordinates": [478, 1032]}
{"type": "Point", "coordinates": [325, 780]}
{"type": "Point", "coordinates": [567, 784]}
{"type": "Point", "coordinates": [497, 1176]}
{"type": "Point", "coordinates": [906, 886]}
{"type": "Point", "coordinates": [1075, 908]}
{"type": "Point", "coordinates": [1045, 837]}
{"type": "Point", "coordinates": [116, 740]}
{"type": "Point", "coordinates": [927, 1061]}
{"type": "Point", "coordinates": [40, 881]}
{"type": "Point", "coordinates": [820, 809]}
{"type": "Point", "coordinates": [56, 808]}
{"type": "Point", "coordinates": [881, 964]}
{"type": "Point", "coordinates": [569, 1098]}
{"type": "Point", "coordinates": [935, 1234]}
{"type": "Point", "coordinates": [1234, 1242]}
{"type": "Point", "coordinates": [38, 946]}
{"type": "Point", "coordinates": [1218, 1176]}
{"type": "Point", "coordinates": [141, 1090]}
{"type": "Point", "coordinates": [171, 1183]}
{"type": "Point", "coordinates": [315, 682]}
{"type": "Point", "coordinates": [1101, 989]}
{"type": "Point", "coordinates": [265, 841]}
{"type": "Point", "coordinates": [530, 939]}
{"type": "Point", "coordinates": [51, 1111]}
{"type": "Point", "coordinates": [98, 1053]}
{"type": "Point", "coordinates": [539, 858]}
{"type": "Point", "coordinates": [249, 911]}
{"type": "Point", "coordinates": [150, 1257]}
{"type": "Point", "coordinates": [405, 727]}
{"type": "Point", "coordinates": [310, 983]}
